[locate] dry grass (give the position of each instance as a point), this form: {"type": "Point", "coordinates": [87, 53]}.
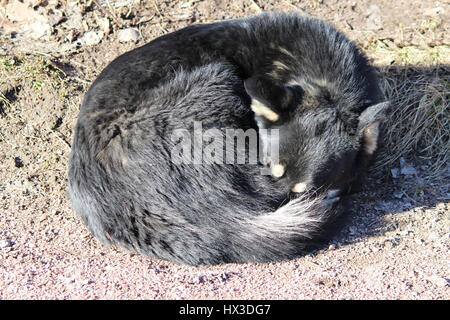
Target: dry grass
{"type": "Point", "coordinates": [417, 82]}
{"type": "Point", "coordinates": [419, 125]}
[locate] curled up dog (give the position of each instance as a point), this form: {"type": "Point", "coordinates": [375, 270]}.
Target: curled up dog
{"type": "Point", "coordinates": [225, 142]}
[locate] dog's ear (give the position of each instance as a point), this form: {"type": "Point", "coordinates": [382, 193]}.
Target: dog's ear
{"type": "Point", "coordinates": [369, 125]}
{"type": "Point", "coordinates": [269, 100]}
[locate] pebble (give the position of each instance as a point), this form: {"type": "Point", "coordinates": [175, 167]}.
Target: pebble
{"type": "Point", "coordinates": [390, 243]}
{"type": "Point", "coordinates": [395, 173]}
{"type": "Point", "coordinates": [92, 38]}
{"type": "Point", "coordinates": [129, 34]}
{"type": "Point", "coordinates": [38, 30]}
{"type": "Point", "coordinates": [104, 25]}
{"type": "Point", "coordinates": [398, 195]}
{"type": "Point", "coordinates": [406, 168]}
{"type": "Point", "coordinates": [6, 243]}
{"type": "Point", "coordinates": [433, 236]}
{"type": "Point", "coordinates": [433, 11]}
{"type": "Point", "coordinates": [374, 21]}
{"type": "Point", "coordinates": [438, 281]}
{"type": "Point", "coordinates": [74, 17]}
{"type": "Point", "coordinates": [406, 232]}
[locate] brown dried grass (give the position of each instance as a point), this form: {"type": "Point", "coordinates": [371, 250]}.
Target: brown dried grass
{"type": "Point", "coordinates": [418, 127]}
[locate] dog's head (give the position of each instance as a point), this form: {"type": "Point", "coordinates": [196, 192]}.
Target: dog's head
{"type": "Point", "coordinates": [321, 145]}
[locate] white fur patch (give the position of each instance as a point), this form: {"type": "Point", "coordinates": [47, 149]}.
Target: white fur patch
{"type": "Point", "coordinates": [299, 217]}
{"type": "Point", "coordinates": [371, 137]}
{"type": "Point", "coordinates": [312, 86]}
{"type": "Point", "coordinates": [299, 187]}
{"type": "Point", "coordinates": [278, 170]}
{"type": "Point", "coordinates": [286, 52]}
{"type": "Point", "coordinates": [280, 65]}
{"type": "Point", "coordinates": [264, 111]}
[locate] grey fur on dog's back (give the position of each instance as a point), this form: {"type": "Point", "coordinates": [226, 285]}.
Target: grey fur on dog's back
{"type": "Point", "coordinates": [185, 213]}
{"type": "Point", "coordinates": [127, 190]}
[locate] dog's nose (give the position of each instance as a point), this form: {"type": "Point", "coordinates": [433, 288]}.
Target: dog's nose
{"type": "Point", "coordinates": [299, 187]}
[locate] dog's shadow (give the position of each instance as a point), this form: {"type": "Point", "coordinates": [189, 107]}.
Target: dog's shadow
{"type": "Point", "coordinates": [368, 213]}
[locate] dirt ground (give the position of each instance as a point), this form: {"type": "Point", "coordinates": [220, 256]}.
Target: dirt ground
{"type": "Point", "coordinates": [395, 244]}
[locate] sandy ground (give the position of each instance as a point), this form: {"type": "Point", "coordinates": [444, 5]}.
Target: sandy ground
{"type": "Point", "coordinates": [395, 244]}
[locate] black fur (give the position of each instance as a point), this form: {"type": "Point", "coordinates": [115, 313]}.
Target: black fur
{"type": "Point", "coordinates": [124, 185]}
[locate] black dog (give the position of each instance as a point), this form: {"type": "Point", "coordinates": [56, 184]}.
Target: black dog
{"type": "Point", "coordinates": [274, 73]}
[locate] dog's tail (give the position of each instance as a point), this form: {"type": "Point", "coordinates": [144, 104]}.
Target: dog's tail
{"type": "Point", "coordinates": [284, 233]}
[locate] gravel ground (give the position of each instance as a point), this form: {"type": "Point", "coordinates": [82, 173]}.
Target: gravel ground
{"type": "Point", "coordinates": [392, 249]}
{"type": "Point", "coordinates": [394, 245]}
